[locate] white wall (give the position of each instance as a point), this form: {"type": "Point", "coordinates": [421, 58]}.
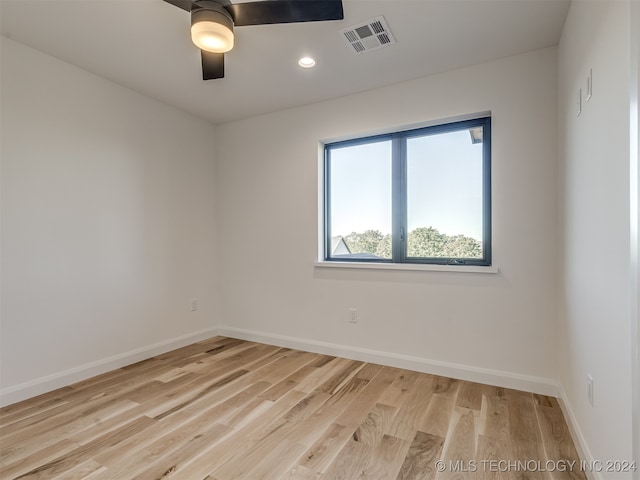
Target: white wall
{"type": "Point", "coordinates": [594, 155]}
{"type": "Point", "coordinates": [468, 325]}
{"type": "Point", "coordinates": [107, 224]}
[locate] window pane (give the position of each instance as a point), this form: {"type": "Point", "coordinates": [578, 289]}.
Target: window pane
{"type": "Point", "coordinates": [360, 201]}
{"type": "Point", "coordinates": [444, 195]}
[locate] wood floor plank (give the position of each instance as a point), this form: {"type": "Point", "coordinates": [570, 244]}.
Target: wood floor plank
{"type": "Point", "coordinates": [309, 429]}
{"type": "Point", "coordinates": [387, 458]}
{"type": "Point", "coordinates": [213, 346]}
{"type": "Point", "coordinates": [370, 431]}
{"type": "Point", "coordinates": [326, 448]}
{"type": "Point", "coordinates": [491, 457]}
{"type": "Point", "coordinates": [437, 416]}
{"type": "Point", "coordinates": [26, 414]}
{"type": "Point", "coordinates": [459, 448]}
{"type": "Point", "coordinates": [214, 386]}
{"type": "Point", "coordinates": [200, 395]}
{"type": "Point", "coordinates": [217, 453]}
{"type": "Point", "coordinates": [175, 461]}
{"type": "Point", "coordinates": [557, 442]}
{"type": "Point", "coordinates": [275, 462]}
{"type": "Point", "coordinates": [24, 446]}
{"type": "Point", "coordinates": [301, 473]}
{"type": "Point", "coordinates": [342, 375]}
{"type": "Point", "coordinates": [84, 470]}
{"type": "Point", "coordinates": [368, 398]}
{"type": "Point", "coordinates": [496, 423]}
{"type": "Point", "coordinates": [39, 401]}
{"type": "Point", "coordinates": [287, 374]}
{"type": "Point", "coordinates": [229, 409]}
{"type": "Point", "coordinates": [137, 459]}
{"type": "Point", "coordinates": [545, 401]}
{"type": "Point", "coordinates": [21, 424]}
{"type": "Point", "coordinates": [400, 388]}
{"type": "Point", "coordinates": [470, 395]}
{"type": "Point", "coordinates": [357, 456]}
{"type": "Point", "coordinates": [227, 389]}
{"type": "Point", "coordinates": [252, 392]}
{"type": "Point", "coordinates": [411, 409]}
{"type": "Point", "coordinates": [44, 467]}
{"type": "Point", "coordinates": [420, 461]}
{"type": "Point", "coordinates": [158, 430]}
{"type": "Point", "coordinates": [326, 368]}
{"type": "Point", "coordinates": [28, 466]}
{"type": "Point", "coordinates": [115, 381]}
{"type": "Point", "coordinates": [526, 440]}
{"type": "Point", "coordinates": [237, 357]}
{"type": "Point", "coordinates": [279, 431]}
{"type": "Point", "coordinates": [347, 406]}
{"type": "Point", "coordinates": [154, 389]}
{"type": "Point", "coordinates": [245, 436]}
{"type": "Point", "coordinates": [446, 387]}
{"type": "Point", "coordinates": [350, 463]}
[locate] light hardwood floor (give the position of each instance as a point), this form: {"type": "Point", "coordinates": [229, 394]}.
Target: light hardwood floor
{"type": "Point", "coordinates": [226, 409]}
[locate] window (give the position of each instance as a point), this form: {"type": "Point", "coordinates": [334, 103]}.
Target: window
{"type": "Point", "coordinates": [416, 196]}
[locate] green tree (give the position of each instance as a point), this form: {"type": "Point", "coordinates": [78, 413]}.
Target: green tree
{"type": "Point", "coordinates": [421, 242]}
{"type": "Point", "coordinates": [429, 242]}
{"type": "Point", "coordinates": [365, 242]}
{"type": "Point", "coordinates": [384, 247]}
{"type": "Point", "coordinates": [425, 242]}
{"type": "Point", "coordinates": [461, 246]}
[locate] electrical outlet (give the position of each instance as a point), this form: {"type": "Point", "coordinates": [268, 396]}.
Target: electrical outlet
{"type": "Point", "coordinates": [194, 305]}
{"type": "Point", "coordinates": [590, 389]}
{"type": "Point", "coordinates": [589, 85]}
{"type": "Point", "coordinates": [353, 315]}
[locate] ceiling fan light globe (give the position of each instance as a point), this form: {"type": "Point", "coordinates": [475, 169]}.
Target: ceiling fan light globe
{"type": "Point", "coordinates": [212, 27]}
{"type": "Point", "coordinates": [212, 37]}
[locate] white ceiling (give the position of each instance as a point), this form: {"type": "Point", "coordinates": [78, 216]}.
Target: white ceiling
{"type": "Point", "coordinates": [145, 45]}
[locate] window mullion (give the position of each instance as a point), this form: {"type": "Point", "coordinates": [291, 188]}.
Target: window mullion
{"type": "Point", "coordinates": [486, 191]}
{"type": "Point", "coordinates": [327, 203]}
{"type": "Point", "coordinates": [399, 198]}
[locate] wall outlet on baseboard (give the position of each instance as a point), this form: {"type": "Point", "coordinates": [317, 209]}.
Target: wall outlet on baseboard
{"type": "Point", "coordinates": [195, 305]}
{"type": "Point", "coordinates": [590, 389]}
{"type": "Point", "coordinates": [353, 315]}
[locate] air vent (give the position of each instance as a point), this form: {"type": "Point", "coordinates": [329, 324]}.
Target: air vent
{"type": "Point", "coordinates": [369, 35]}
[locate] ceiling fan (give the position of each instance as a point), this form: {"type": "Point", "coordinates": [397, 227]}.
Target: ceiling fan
{"type": "Point", "coordinates": [212, 22]}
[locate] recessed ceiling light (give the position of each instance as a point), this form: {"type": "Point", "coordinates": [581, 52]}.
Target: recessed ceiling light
{"type": "Point", "coordinates": [306, 62]}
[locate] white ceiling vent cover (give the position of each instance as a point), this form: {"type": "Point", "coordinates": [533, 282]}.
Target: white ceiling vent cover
{"type": "Point", "coordinates": [370, 35]}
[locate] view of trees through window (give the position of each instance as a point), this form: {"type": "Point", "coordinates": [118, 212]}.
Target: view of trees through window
{"type": "Point", "coordinates": [423, 242]}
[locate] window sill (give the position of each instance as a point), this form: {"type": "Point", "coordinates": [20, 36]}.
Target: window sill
{"type": "Point", "coordinates": [409, 266]}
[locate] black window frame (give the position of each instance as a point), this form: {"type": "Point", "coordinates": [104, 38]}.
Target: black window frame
{"type": "Point", "coordinates": [399, 193]}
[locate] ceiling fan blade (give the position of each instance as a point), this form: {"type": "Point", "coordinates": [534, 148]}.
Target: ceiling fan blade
{"type": "Point", "coordinates": [183, 4]}
{"type": "Point", "coordinates": [212, 65]}
{"type": "Point", "coordinates": [284, 11]}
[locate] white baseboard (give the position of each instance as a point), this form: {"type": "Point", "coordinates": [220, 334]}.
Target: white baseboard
{"type": "Point", "coordinates": [67, 377]}
{"type": "Point", "coordinates": [543, 386]}
{"type": "Point", "coordinates": [576, 434]}
{"type": "Point", "coordinates": [499, 378]}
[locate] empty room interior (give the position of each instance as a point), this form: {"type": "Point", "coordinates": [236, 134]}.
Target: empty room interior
{"type": "Point", "coordinates": [383, 239]}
